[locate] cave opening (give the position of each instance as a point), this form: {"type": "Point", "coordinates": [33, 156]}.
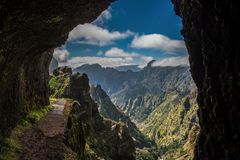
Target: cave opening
{"type": "Point", "coordinates": [31, 30]}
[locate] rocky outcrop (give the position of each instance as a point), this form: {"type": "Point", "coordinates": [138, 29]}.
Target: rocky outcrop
{"type": "Point", "coordinates": [210, 30]}
{"type": "Point", "coordinates": [89, 134]}
{"type": "Point", "coordinates": [138, 93]}
{"type": "Point", "coordinates": [29, 32]}
{"type": "Point", "coordinates": [110, 79]}
{"type": "Point", "coordinates": [59, 82]}
{"type": "Point", "coordinates": [108, 110]}
{"type": "Point", "coordinates": [162, 100]}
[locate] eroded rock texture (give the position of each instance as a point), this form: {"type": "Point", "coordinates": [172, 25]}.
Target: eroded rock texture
{"type": "Point", "coordinates": [211, 30]}
{"type": "Point", "coordinates": [88, 133]}
{"type": "Point", "coordinates": [29, 31]}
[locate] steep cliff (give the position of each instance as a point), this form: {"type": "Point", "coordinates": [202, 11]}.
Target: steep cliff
{"type": "Point", "coordinates": [138, 93]}
{"type": "Point", "coordinates": [162, 100]}
{"type": "Point", "coordinates": [210, 30]}
{"type": "Point", "coordinates": [152, 85]}
{"type": "Point", "coordinates": [59, 82]}
{"type": "Point", "coordinates": [171, 124]}
{"type": "Point", "coordinates": [108, 110]}
{"type": "Point", "coordinates": [110, 79]}
{"type": "Point", "coordinates": [29, 32]}
{"type": "Point", "coordinates": [87, 132]}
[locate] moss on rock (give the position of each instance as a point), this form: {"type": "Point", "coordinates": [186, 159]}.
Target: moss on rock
{"type": "Point", "coordinates": [89, 134]}
{"type": "Point", "coordinates": [12, 146]}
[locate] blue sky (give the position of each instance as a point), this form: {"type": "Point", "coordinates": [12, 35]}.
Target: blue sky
{"type": "Point", "coordinates": [129, 32]}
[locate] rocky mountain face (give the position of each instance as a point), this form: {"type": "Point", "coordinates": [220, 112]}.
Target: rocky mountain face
{"type": "Point", "coordinates": [171, 123]}
{"type": "Point", "coordinates": [152, 85]}
{"type": "Point", "coordinates": [108, 110]}
{"type": "Point", "coordinates": [134, 68]}
{"type": "Point", "coordinates": [110, 79]}
{"type": "Point", "coordinates": [160, 100]}
{"type": "Point", "coordinates": [137, 93]}
{"type": "Point", "coordinates": [87, 132]}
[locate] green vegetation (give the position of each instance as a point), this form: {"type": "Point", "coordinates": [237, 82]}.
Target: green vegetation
{"type": "Point", "coordinates": [34, 116]}
{"type": "Point", "coordinates": [146, 154]}
{"type": "Point", "coordinates": [12, 145]}
{"type": "Point", "coordinates": [58, 84]}
{"type": "Point", "coordinates": [163, 103]}
{"type": "Point", "coordinates": [170, 125]}
{"type": "Point", "coordinates": [109, 111]}
{"type": "Point", "coordinates": [94, 137]}
{"type": "Point", "coordinates": [67, 107]}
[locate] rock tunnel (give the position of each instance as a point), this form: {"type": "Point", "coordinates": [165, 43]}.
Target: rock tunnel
{"type": "Point", "coordinates": [30, 30]}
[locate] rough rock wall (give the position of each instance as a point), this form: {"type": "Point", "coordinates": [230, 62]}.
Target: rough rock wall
{"type": "Point", "coordinates": [88, 133]}
{"type": "Point", "coordinates": [211, 30]}
{"type": "Point", "coordinates": [29, 31]}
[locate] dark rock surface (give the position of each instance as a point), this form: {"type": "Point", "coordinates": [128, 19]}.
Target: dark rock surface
{"type": "Point", "coordinates": [108, 110]}
{"type": "Point", "coordinates": [89, 134]}
{"type": "Point", "coordinates": [44, 141]}
{"type": "Point", "coordinates": [139, 93]}
{"type": "Point", "coordinates": [29, 32]}
{"type": "Point", "coordinates": [211, 30]}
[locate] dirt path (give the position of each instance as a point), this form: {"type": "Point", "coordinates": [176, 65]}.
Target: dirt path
{"type": "Point", "coordinates": [45, 140]}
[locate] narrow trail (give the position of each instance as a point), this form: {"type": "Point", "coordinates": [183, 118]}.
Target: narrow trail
{"type": "Point", "coordinates": [45, 140]}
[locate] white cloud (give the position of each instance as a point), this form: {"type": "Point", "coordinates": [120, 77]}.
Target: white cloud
{"type": "Point", "coordinates": [112, 58]}
{"type": "Point", "coordinates": [140, 59]}
{"type": "Point", "coordinates": [104, 61]}
{"type": "Point", "coordinates": [104, 16]}
{"type": "Point", "coordinates": [117, 52]}
{"type": "Point", "coordinates": [61, 54]}
{"type": "Point", "coordinates": [146, 58]}
{"type": "Point", "coordinates": [158, 41]}
{"type": "Point", "coordinates": [172, 61]}
{"type": "Point", "coordinates": [95, 35]}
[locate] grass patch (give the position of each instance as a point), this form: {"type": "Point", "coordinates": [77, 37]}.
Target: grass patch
{"type": "Point", "coordinates": [58, 85]}
{"type": "Point", "coordinates": [52, 100]}
{"type": "Point", "coordinates": [67, 107]}
{"type": "Point", "coordinates": [12, 145]}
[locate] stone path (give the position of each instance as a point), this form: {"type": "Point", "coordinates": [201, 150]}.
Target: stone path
{"type": "Point", "coordinates": [45, 140]}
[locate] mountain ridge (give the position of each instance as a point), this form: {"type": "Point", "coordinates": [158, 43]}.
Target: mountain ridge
{"type": "Point", "coordinates": [108, 110]}
{"type": "Point", "coordinates": [161, 101]}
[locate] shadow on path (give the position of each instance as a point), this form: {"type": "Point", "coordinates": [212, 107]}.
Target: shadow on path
{"type": "Point", "coordinates": [45, 140]}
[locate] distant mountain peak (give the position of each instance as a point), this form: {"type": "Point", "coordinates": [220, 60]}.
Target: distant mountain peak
{"type": "Point", "coordinates": [92, 65]}
{"type": "Point", "coordinates": [150, 63]}
{"type": "Point", "coordinates": [134, 68]}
